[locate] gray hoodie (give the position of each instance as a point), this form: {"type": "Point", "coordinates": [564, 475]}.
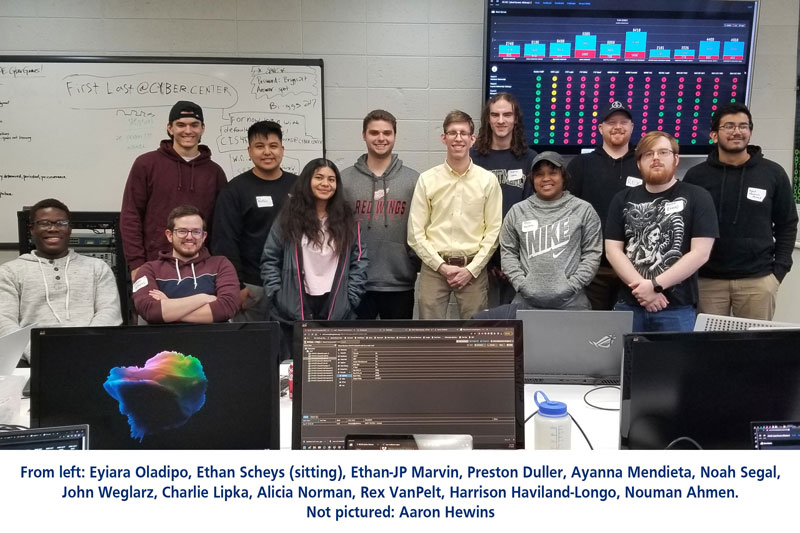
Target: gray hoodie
{"type": "Point", "coordinates": [381, 204]}
{"type": "Point", "coordinates": [74, 290]}
{"type": "Point", "coordinates": [550, 251]}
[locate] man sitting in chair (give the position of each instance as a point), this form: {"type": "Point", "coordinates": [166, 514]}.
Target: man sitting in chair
{"type": "Point", "coordinates": [53, 286]}
{"type": "Point", "coordinates": [188, 284]}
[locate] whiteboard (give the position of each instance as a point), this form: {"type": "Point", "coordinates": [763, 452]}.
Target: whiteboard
{"type": "Point", "coordinates": [70, 127]}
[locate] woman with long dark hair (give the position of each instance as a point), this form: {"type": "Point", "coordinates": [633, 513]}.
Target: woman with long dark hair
{"type": "Point", "coordinates": [314, 266]}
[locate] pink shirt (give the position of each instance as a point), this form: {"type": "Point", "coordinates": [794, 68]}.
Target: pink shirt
{"type": "Point", "coordinates": [319, 263]}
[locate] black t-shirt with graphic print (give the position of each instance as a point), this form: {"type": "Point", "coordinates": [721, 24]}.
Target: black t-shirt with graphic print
{"type": "Point", "coordinates": [657, 229]}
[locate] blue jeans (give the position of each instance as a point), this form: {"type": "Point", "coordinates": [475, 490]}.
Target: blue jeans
{"type": "Point", "coordinates": [673, 318]}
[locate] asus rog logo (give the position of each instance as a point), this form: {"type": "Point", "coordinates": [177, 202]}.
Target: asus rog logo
{"type": "Point", "coordinates": [604, 342]}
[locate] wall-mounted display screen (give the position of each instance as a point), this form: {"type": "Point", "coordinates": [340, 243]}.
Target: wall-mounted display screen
{"type": "Point", "coordinates": [673, 63]}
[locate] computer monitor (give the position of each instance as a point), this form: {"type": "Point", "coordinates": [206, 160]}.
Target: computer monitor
{"type": "Point", "coordinates": [59, 438]}
{"type": "Point", "coordinates": [672, 63]}
{"type": "Point", "coordinates": [776, 435]}
{"type": "Point", "coordinates": [706, 386]}
{"type": "Point", "coordinates": [209, 386]}
{"type": "Point", "coordinates": [393, 377]}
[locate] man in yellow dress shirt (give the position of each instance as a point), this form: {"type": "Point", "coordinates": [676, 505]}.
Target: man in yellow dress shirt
{"type": "Point", "coordinates": [455, 218]}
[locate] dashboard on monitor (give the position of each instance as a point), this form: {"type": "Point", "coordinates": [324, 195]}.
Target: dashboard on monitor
{"type": "Point", "coordinates": [673, 63]}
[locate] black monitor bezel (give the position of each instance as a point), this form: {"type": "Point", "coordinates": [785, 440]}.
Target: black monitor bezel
{"type": "Point", "coordinates": [30, 433]}
{"type": "Point", "coordinates": [519, 384]}
{"type": "Point", "coordinates": [177, 330]}
{"type": "Point", "coordinates": [744, 340]}
{"type": "Point", "coordinates": [699, 8]}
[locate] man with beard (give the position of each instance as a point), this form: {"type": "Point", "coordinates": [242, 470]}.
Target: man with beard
{"type": "Point", "coordinates": [187, 284]}
{"type": "Point", "coordinates": [657, 236]}
{"type": "Point", "coordinates": [757, 221]}
{"type": "Point", "coordinates": [599, 175]}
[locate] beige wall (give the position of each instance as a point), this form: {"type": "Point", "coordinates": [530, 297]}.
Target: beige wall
{"type": "Point", "coordinates": [788, 309]}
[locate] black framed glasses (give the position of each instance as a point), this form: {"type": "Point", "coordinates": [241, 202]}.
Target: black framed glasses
{"type": "Point", "coordinates": [47, 224]}
{"type": "Point", "coordinates": [183, 232]}
{"type": "Point", "coordinates": [730, 126]}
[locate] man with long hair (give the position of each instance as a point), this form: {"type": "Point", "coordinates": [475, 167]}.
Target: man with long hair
{"type": "Point", "coordinates": [502, 149]}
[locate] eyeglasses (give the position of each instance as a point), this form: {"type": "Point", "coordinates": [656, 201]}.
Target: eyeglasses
{"type": "Point", "coordinates": [47, 224]}
{"type": "Point", "coordinates": [730, 126]}
{"type": "Point", "coordinates": [662, 154]}
{"type": "Point", "coordinates": [183, 232]}
{"type": "Point", "coordinates": [454, 134]}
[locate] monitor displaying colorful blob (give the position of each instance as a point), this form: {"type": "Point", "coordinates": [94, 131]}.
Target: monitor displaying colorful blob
{"type": "Point", "coordinates": [215, 389]}
{"type": "Point", "coordinates": [162, 395]}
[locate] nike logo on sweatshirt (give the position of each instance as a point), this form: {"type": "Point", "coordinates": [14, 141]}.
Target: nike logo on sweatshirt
{"type": "Point", "coordinates": [545, 239]}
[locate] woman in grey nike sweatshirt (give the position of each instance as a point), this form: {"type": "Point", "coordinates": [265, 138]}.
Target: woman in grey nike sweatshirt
{"type": "Point", "coordinates": [550, 243]}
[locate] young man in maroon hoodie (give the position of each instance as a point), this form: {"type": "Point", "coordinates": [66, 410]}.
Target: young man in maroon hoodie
{"type": "Point", "coordinates": [187, 284]}
{"type": "Point", "coordinates": [179, 172]}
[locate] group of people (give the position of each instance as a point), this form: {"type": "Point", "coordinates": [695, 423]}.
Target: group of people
{"type": "Point", "coordinates": [496, 225]}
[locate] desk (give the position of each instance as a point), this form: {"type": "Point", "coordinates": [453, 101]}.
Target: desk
{"type": "Point", "coordinates": [602, 427]}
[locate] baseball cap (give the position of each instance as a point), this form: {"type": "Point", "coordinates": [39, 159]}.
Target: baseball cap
{"type": "Point", "coordinates": [613, 107]}
{"type": "Point", "coordinates": [551, 157]}
{"type": "Point", "coordinates": [184, 109]}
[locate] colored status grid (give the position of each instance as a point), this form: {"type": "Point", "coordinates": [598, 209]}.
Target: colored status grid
{"type": "Point", "coordinates": [565, 106]}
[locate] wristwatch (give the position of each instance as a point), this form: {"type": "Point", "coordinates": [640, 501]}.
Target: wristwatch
{"type": "Point", "coordinates": [656, 286]}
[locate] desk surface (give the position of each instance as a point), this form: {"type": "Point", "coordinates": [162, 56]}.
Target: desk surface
{"type": "Point", "coordinates": [601, 427]}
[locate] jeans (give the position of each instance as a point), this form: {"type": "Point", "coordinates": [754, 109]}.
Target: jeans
{"type": "Point", "coordinates": [673, 318]}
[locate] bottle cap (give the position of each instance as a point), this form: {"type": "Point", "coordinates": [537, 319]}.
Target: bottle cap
{"type": "Point", "coordinates": [549, 408]}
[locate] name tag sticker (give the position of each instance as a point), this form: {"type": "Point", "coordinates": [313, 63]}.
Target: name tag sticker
{"type": "Point", "coordinates": [633, 181]}
{"type": "Point", "coordinates": [530, 225]}
{"type": "Point", "coordinates": [756, 194]}
{"type": "Point", "coordinates": [264, 201]}
{"type": "Point", "coordinates": [515, 175]}
{"type": "Point", "coordinates": [673, 207]}
{"type": "Point", "coordinates": [140, 283]}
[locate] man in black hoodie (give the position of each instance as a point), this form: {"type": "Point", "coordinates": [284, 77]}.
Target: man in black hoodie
{"type": "Point", "coordinates": [597, 177]}
{"type": "Point", "coordinates": [757, 220]}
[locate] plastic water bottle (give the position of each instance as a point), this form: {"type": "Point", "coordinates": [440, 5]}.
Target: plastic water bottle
{"type": "Point", "coordinates": [551, 425]}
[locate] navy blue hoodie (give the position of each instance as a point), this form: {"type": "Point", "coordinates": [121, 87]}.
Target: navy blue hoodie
{"type": "Point", "coordinates": [756, 213]}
